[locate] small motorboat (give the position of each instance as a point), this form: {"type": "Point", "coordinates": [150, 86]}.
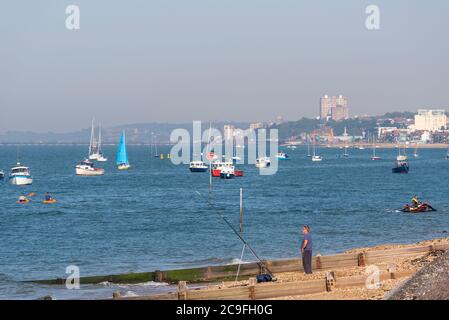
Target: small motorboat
{"type": "Point", "coordinates": [263, 162]}
{"type": "Point", "coordinates": [218, 166]}
{"type": "Point", "coordinates": [423, 207]}
{"type": "Point", "coordinates": [282, 156]}
{"type": "Point", "coordinates": [86, 168]}
{"type": "Point", "coordinates": [20, 175]}
{"type": "Point", "coordinates": [401, 167]}
{"type": "Point", "coordinates": [198, 166]}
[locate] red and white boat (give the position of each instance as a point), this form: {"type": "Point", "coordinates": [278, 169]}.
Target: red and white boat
{"type": "Point", "coordinates": [219, 166]}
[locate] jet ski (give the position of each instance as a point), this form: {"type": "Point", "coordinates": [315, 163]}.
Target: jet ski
{"type": "Point", "coordinates": [423, 207]}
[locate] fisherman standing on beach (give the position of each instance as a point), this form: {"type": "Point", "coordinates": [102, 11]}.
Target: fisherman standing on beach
{"type": "Point", "coordinates": [306, 250]}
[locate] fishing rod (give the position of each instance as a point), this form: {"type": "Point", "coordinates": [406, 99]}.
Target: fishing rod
{"type": "Point", "coordinates": [217, 210]}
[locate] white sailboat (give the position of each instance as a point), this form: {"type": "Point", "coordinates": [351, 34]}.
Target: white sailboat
{"type": "Point", "coordinates": [308, 146]}
{"type": "Point", "coordinates": [101, 157]}
{"type": "Point", "coordinates": [374, 157]}
{"type": "Point", "coordinates": [93, 145]}
{"type": "Point", "coordinates": [415, 154]}
{"type": "Point", "coordinates": [315, 157]}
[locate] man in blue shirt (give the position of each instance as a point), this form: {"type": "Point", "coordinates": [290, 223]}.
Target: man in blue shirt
{"type": "Point", "coordinates": [306, 250]}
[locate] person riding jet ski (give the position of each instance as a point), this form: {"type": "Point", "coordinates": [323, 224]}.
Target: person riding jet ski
{"type": "Point", "coordinates": [415, 201]}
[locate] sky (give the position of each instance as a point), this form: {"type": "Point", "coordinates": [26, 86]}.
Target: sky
{"type": "Point", "coordinates": [238, 60]}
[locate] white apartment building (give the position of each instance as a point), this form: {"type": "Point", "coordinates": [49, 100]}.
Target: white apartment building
{"type": "Point", "coordinates": [430, 120]}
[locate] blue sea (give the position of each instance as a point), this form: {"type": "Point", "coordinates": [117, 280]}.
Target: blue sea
{"type": "Point", "coordinates": [151, 216]}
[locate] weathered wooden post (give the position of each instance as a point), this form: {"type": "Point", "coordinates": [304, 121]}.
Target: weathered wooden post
{"type": "Point", "coordinates": [252, 288]}
{"type": "Point", "coordinates": [182, 290]}
{"type": "Point", "coordinates": [158, 276]}
{"type": "Point", "coordinates": [361, 259]}
{"type": "Point", "coordinates": [241, 210]}
{"type": "Point", "coordinates": [318, 264]}
{"type": "Point", "coordinates": [330, 281]}
{"type": "Point", "coordinates": [391, 270]}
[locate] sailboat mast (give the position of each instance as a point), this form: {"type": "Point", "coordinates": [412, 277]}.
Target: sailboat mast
{"type": "Point", "coordinates": [91, 137]}
{"type": "Point", "coordinates": [99, 138]}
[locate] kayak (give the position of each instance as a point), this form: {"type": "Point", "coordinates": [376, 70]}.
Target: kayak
{"type": "Point", "coordinates": [49, 201]}
{"type": "Point", "coordinates": [423, 207]}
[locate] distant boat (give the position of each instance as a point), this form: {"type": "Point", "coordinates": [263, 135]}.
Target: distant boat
{"type": "Point", "coordinates": [315, 157]}
{"type": "Point", "coordinates": [401, 165]}
{"type": "Point", "coordinates": [227, 172]}
{"type": "Point", "coordinates": [154, 146]}
{"type": "Point", "coordinates": [282, 156]}
{"type": "Point", "coordinates": [2, 175]}
{"type": "Point", "coordinates": [415, 154]}
{"type": "Point", "coordinates": [93, 144]}
{"type": "Point", "coordinates": [101, 157]}
{"type": "Point", "coordinates": [198, 166]}
{"type": "Point", "coordinates": [20, 175]}
{"type": "Point", "coordinates": [308, 146]}
{"type": "Point", "coordinates": [87, 168]}
{"type": "Point", "coordinates": [122, 156]}
{"type": "Point", "coordinates": [375, 157]}
{"type": "Point", "coordinates": [263, 162]}
{"type": "Point", "coordinates": [346, 154]}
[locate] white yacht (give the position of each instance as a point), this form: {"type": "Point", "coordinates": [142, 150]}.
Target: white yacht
{"type": "Point", "coordinates": [263, 162]}
{"type": "Point", "coordinates": [20, 175]}
{"type": "Point", "coordinates": [86, 168]}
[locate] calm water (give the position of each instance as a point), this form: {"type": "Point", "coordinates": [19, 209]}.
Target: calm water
{"type": "Point", "coordinates": [150, 217]}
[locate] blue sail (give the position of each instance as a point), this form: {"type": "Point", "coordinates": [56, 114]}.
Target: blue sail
{"type": "Point", "coordinates": [122, 155]}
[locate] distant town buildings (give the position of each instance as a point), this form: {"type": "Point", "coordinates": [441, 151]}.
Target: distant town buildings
{"type": "Point", "coordinates": [335, 108]}
{"type": "Point", "coordinates": [256, 125]}
{"type": "Point", "coordinates": [430, 120]}
{"type": "Point", "coordinates": [229, 131]}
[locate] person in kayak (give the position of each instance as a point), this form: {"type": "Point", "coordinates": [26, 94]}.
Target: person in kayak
{"type": "Point", "coordinates": [48, 197]}
{"type": "Point", "coordinates": [22, 199]}
{"type": "Point", "coordinates": [415, 201]}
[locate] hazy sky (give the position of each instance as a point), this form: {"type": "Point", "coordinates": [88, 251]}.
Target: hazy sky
{"type": "Point", "coordinates": [178, 60]}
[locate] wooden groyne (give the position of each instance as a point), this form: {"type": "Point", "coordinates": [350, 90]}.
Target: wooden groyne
{"type": "Point", "coordinates": [248, 270]}
{"type": "Point", "coordinates": [254, 291]}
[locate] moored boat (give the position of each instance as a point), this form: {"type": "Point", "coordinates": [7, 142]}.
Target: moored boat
{"type": "Point", "coordinates": [198, 166]}
{"type": "Point", "coordinates": [86, 168]}
{"type": "Point", "coordinates": [263, 162]}
{"type": "Point", "coordinates": [122, 155]}
{"type": "Point", "coordinates": [218, 166]}
{"type": "Point", "coordinates": [282, 156]}
{"type": "Point", "coordinates": [93, 144]}
{"type": "Point", "coordinates": [227, 173]}
{"type": "Point", "coordinates": [20, 175]}
{"type": "Point", "coordinates": [401, 167]}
